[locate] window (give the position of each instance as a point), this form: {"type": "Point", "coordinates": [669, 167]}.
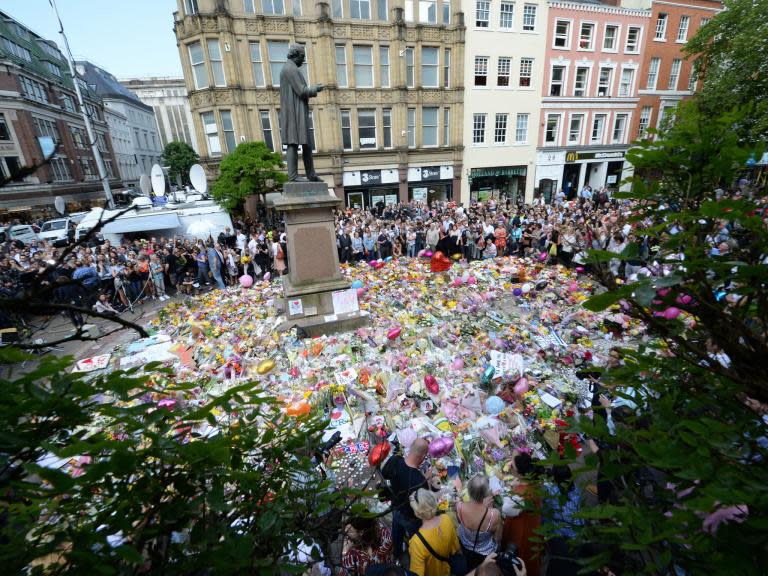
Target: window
{"type": "Point", "coordinates": [360, 9]}
{"type": "Point", "coordinates": [430, 76]}
{"type": "Point", "coordinates": [661, 26]}
{"type": "Point", "coordinates": [363, 58]}
{"type": "Point", "coordinates": [526, 71]}
{"type": "Point", "coordinates": [52, 68]}
{"type": "Point", "coordinates": [33, 90]}
{"type": "Point", "coordinates": [653, 73]}
{"type": "Point", "coordinates": [272, 7]}
{"type": "Point", "coordinates": [507, 16]}
{"type": "Point", "coordinates": [277, 52]}
{"type": "Point", "coordinates": [49, 49]}
{"type": "Point", "coordinates": [704, 22]}
{"type": "Point", "coordinates": [366, 128]}
{"type": "Point", "coordinates": [619, 125]}
{"type": "Point", "coordinates": [482, 13]}
{"type": "Point", "coordinates": [78, 136]}
{"type": "Point", "coordinates": [45, 127]}
{"type": "Point", "coordinates": [556, 82]}
{"type": "Point", "coordinates": [693, 78]}
{"type": "Point", "coordinates": [214, 55]}
{"type": "Point", "coordinates": [383, 10]}
{"type": "Point", "coordinates": [481, 70]}
{"type": "Point", "coordinates": [586, 36]}
{"type": "Point", "coordinates": [429, 127]}
{"type": "Point", "coordinates": [341, 66]}
{"type": "Point", "coordinates": [229, 130]}
{"type": "Point", "coordinates": [409, 10]}
{"type": "Point", "coordinates": [562, 34]}
{"type": "Point", "coordinates": [337, 10]}
{"type": "Point", "coordinates": [645, 120]}
{"type": "Point", "coordinates": [500, 129]}
{"type": "Point", "coordinates": [60, 169]}
{"type": "Point", "coordinates": [256, 64]}
{"type": "Point", "coordinates": [428, 11]}
{"type": "Point", "coordinates": [529, 17]}
{"type": "Point", "coordinates": [386, 124]}
{"type": "Point", "coordinates": [16, 50]}
{"type": "Point", "coordinates": [447, 68]}
{"type": "Point", "coordinates": [87, 167]}
{"type": "Point", "coordinates": [197, 61]}
{"type": "Point", "coordinates": [136, 136]}
{"type": "Point", "coordinates": [521, 129]}
{"type": "Point", "coordinates": [611, 38]}
{"type": "Point", "coordinates": [478, 129]}
{"type": "Point", "coordinates": [346, 130]}
{"type": "Point", "coordinates": [410, 76]}
{"type": "Point", "coordinates": [266, 129]}
{"type": "Point", "coordinates": [505, 67]}
{"type": "Point", "coordinates": [552, 128]}
{"type": "Point", "coordinates": [625, 85]}
{"type": "Point", "coordinates": [211, 133]}
{"type": "Point", "coordinates": [446, 12]}
{"type": "Point", "coordinates": [19, 30]}
{"type": "Point", "coordinates": [580, 82]}
{"type": "Point", "coordinates": [633, 40]}
{"type": "Point", "coordinates": [574, 129]}
{"type": "Point", "coordinates": [411, 127]}
{"type": "Point", "coordinates": [5, 134]}
{"type": "Point", "coordinates": [249, 7]}
{"type": "Point", "coordinates": [682, 30]}
{"type": "Point", "coordinates": [190, 7]}
{"type": "Point", "coordinates": [604, 81]}
{"type": "Point", "coordinates": [446, 126]}
{"type": "Point", "coordinates": [598, 126]}
{"type": "Point", "coordinates": [384, 66]}
{"type": "Point", "coordinates": [674, 74]}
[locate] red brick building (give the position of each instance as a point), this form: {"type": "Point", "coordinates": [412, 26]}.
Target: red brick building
{"type": "Point", "coordinates": [666, 75]}
{"type": "Point", "coordinates": [38, 105]}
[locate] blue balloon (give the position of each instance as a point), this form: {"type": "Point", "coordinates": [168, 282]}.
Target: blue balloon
{"type": "Point", "coordinates": [357, 284]}
{"type": "Point", "coordinates": [388, 259]}
{"type": "Point", "coordinates": [494, 405]}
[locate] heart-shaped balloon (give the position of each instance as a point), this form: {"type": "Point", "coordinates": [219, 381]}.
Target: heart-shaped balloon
{"type": "Point", "coordinates": [522, 386]}
{"type": "Point", "coordinates": [430, 382]}
{"type": "Point", "coordinates": [439, 262]}
{"type": "Point", "coordinates": [394, 333]}
{"type": "Point", "coordinates": [378, 454]}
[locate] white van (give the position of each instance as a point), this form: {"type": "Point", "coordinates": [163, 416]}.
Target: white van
{"type": "Point", "coordinates": [59, 231]}
{"type": "Point", "coordinates": [22, 233]}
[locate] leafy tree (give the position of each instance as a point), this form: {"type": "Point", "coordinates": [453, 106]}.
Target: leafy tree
{"type": "Point", "coordinates": [246, 171]}
{"type": "Point", "coordinates": [731, 53]}
{"type": "Point", "coordinates": [689, 463]}
{"type": "Point", "coordinates": [180, 157]}
{"type": "Point", "coordinates": [130, 473]}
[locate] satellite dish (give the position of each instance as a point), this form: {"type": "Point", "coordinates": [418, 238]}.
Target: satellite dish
{"type": "Point", "coordinates": [145, 185]}
{"type": "Point", "coordinates": [198, 179]}
{"type": "Point", "coordinates": [58, 203]}
{"type": "Point", "coordinates": [158, 180]}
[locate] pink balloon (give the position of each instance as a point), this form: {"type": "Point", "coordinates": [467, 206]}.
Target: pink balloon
{"type": "Point", "coordinates": [428, 254]}
{"type": "Point", "coordinates": [457, 281]}
{"type": "Point", "coordinates": [671, 313]}
{"type": "Point", "coordinates": [684, 299]}
{"type": "Point", "coordinates": [267, 275]}
{"type": "Point", "coordinates": [372, 263]}
{"type": "Point", "coordinates": [394, 333]}
{"type": "Point", "coordinates": [430, 382]}
{"type": "Point", "coordinates": [543, 256]}
{"type": "Point", "coordinates": [439, 447]}
{"type": "Point", "coordinates": [579, 269]}
{"type": "Point", "coordinates": [471, 280]}
{"type": "Point", "coordinates": [572, 287]}
{"type": "Point", "coordinates": [457, 364]}
{"type": "Point", "coordinates": [522, 386]}
{"type": "Point", "coordinates": [360, 292]}
{"type": "Point", "coordinates": [246, 281]}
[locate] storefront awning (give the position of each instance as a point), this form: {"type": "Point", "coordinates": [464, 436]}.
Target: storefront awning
{"type": "Point", "coordinates": [143, 223]}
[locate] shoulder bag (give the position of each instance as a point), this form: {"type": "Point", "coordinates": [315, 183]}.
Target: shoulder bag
{"type": "Point", "coordinates": [457, 562]}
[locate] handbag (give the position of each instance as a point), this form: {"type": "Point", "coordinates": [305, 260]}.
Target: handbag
{"type": "Point", "coordinates": [457, 562]}
{"type": "Point", "coordinates": [474, 559]}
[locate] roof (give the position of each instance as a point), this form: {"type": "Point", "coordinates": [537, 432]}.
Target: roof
{"type": "Point", "coordinates": [106, 85]}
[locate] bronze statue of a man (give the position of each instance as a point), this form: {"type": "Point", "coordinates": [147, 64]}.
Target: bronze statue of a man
{"type": "Point", "coordinates": [294, 114]}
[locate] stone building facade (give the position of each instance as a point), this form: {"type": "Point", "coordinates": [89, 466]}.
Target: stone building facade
{"type": "Point", "coordinates": [38, 109]}
{"type": "Point", "coordinates": [389, 125]}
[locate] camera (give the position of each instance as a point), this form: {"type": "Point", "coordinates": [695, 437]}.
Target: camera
{"type": "Point", "coordinates": [508, 560]}
{"type": "Point", "coordinates": [324, 448]}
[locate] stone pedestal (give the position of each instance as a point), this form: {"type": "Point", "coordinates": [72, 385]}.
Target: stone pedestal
{"type": "Point", "coordinates": [313, 262]}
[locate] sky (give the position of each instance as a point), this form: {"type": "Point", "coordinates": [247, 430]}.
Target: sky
{"type": "Point", "coordinates": [129, 38]}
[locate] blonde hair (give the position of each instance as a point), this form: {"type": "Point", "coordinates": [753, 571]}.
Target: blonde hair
{"type": "Point", "coordinates": [478, 487]}
{"type": "Point", "coordinates": [424, 504]}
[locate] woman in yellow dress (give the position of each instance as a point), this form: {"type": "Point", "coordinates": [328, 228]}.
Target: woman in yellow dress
{"type": "Point", "coordinates": [439, 532]}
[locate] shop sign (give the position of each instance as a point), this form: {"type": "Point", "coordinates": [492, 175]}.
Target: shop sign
{"type": "Point", "coordinates": [574, 156]}
{"type": "Point", "coordinates": [368, 177]}
{"type": "Point", "coordinates": [498, 171]}
{"type": "Point", "coordinates": [430, 173]}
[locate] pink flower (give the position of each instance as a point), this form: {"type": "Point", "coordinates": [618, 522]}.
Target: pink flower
{"type": "Point", "coordinates": [730, 514]}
